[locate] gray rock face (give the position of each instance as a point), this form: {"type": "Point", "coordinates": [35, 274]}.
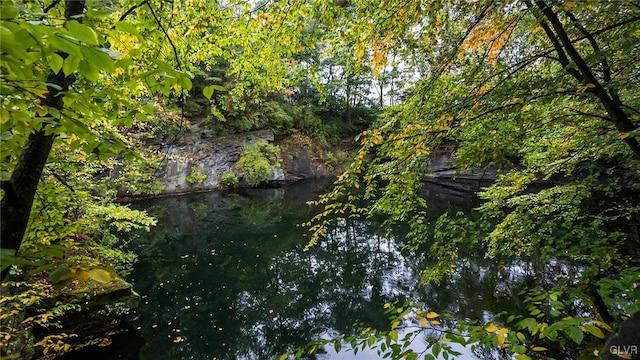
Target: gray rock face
{"type": "Point", "coordinates": [196, 163]}
{"type": "Point", "coordinates": [443, 172]}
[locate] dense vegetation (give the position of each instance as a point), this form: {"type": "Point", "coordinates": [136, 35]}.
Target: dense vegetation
{"type": "Point", "coordinates": [542, 92]}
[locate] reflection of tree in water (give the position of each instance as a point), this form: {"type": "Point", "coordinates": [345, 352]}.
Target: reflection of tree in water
{"type": "Point", "coordinates": [235, 282]}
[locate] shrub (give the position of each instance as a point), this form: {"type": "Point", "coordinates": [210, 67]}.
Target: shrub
{"type": "Point", "coordinates": [331, 160]}
{"type": "Point", "coordinates": [256, 161]}
{"type": "Point", "coordinates": [228, 180]}
{"type": "Point", "coordinates": [196, 176]}
{"type": "Point", "coordinates": [307, 122]}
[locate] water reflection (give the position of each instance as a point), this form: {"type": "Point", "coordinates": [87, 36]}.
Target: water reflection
{"type": "Point", "coordinates": [226, 277]}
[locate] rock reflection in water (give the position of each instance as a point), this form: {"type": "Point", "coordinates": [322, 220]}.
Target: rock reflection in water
{"type": "Point", "coordinates": [224, 276]}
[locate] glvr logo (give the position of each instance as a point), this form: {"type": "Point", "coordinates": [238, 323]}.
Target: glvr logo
{"type": "Point", "coordinates": [624, 351]}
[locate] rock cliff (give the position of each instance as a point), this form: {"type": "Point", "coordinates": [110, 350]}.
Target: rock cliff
{"type": "Point", "coordinates": [197, 159]}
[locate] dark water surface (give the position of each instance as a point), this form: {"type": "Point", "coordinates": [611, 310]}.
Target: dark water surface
{"type": "Point", "coordinates": [224, 276]}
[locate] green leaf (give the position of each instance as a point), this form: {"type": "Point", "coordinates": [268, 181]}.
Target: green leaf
{"type": "Point", "coordinates": [128, 28]}
{"type": "Point", "coordinates": [70, 64]}
{"type": "Point", "coordinates": [55, 62]}
{"type": "Point", "coordinates": [370, 341]}
{"type": "Point", "coordinates": [575, 334]}
{"type": "Point", "coordinates": [528, 323]}
{"type": "Point", "coordinates": [140, 116]}
{"type": "Point", "coordinates": [88, 70]}
{"type": "Point", "coordinates": [595, 331]}
{"type": "Point", "coordinates": [208, 92]}
{"type": "Point", "coordinates": [61, 274]}
{"type": "Point", "coordinates": [436, 349]}
{"type": "Point", "coordinates": [284, 356]}
{"type": "Point", "coordinates": [393, 335]}
{"type": "Point", "coordinates": [337, 346]}
{"type": "Point", "coordinates": [8, 258]}
{"type": "Point", "coordinates": [64, 44]}
{"type": "Point", "coordinates": [99, 58]}
{"type": "Point", "coordinates": [7, 11]}
{"type": "Point", "coordinates": [219, 88]}
{"type": "Point", "coordinates": [185, 82]}
{"type": "Point", "coordinates": [82, 32]}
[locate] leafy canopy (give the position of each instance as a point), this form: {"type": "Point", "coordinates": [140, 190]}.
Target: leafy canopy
{"type": "Point", "coordinates": [542, 93]}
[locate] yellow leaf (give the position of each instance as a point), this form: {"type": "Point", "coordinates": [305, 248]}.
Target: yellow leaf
{"type": "Point", "coordinates": [624, 135]}
{"type": "Point", "coordinates": [539, 348]}
{"type": "Point", "coordinates": [570, 5]}
{"type": "Point", "coordinates": [595, 331]}
{"type": "Point", "coordinates": [100, 275]}
{"type": "Point", "coordinates": [386, 306]}
{"type": "Point", "coordinates": [435, 322]}
{"type": "Point", "coordinates": [501, 336]}
{"type": "Point", "coordinates": [491, 328]}
{"type": "Point", "coordinates": [590, 85]}
{"type": "Point", "coordinates": [424, 322]}
{"type": "Point", "coordinates": [432, 315]}
{"type": "Point", "coordinates": [602, 325]}
{"type": "Point", "coordinates": [623, 355]}
{"type": "Point", "coordinates": [82, 274]}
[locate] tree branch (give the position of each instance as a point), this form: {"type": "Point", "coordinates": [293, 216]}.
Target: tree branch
{"type": "Point", "coordinates": [51, 6]}
{"type": "Point", "coordinates": [166, 34]}
{"type": "Point", "coordinates": [613, 107]}
{"type": "Point", "coordinates": [606, 70]}
{"type": "Point", "coordinates": [63, 182]}
{"type": "Point", "coordinates": [562, 56]}
{"type": "Point", "coordinates": [131, 10]}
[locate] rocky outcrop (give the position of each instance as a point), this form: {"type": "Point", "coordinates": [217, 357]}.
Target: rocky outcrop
{"type": "Point", "coordinates": [305, 158]}
{"type": "Point", "coordinates": [443, 172]}
{"type": "Point", "coordinates": [197, 160]}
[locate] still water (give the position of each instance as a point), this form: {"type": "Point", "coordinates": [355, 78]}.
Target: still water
{"type": "Point", "coordinates": [224, 276]}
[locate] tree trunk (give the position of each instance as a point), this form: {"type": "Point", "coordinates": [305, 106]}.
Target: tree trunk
{"type": "Point", "coordinates": [21, 188]}
{"type": "Point", "coordinates": [564, 48]}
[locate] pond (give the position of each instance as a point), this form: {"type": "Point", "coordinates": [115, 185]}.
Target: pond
{"type": "Point", "coordinates": [224, 276]}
